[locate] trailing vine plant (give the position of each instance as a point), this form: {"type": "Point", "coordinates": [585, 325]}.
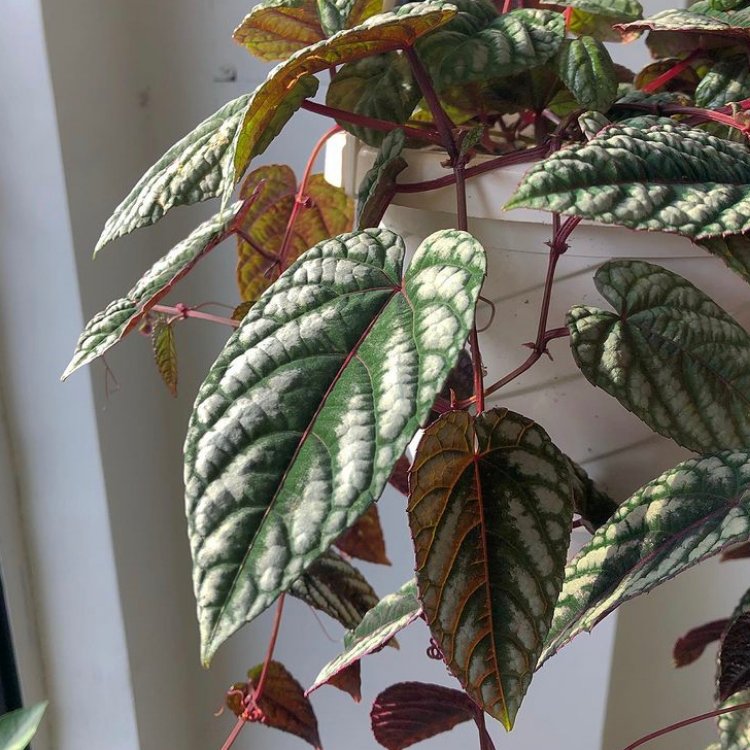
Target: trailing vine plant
{"type": "Point", "coordinates": [340, 354]}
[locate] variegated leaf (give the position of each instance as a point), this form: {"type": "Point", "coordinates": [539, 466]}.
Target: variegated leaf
{"type": "Point", "coordinates": [727, 81]}
{"type": "Point", "coordinates": [490, 510]}
{"type": "Point", "coordinates": [669, 354]}
{"type": "Point", "coordinates": [734, 250]}
{"type": "Point", "coordinates": [336, 15]}
{"type": "Point", "coordinates": [591, 123]}
{"type": "Point", "coordinates": [282, 458]}
{"type": "Point", "coordinates": [378, 186]}
{"type": "Point", "coordinates": [681, 518]}
{"type": "Point", "coordinates": [337, 588]}
{"type": "Point", "coordinates": [590, 502]}
{"type": "Point", "coordinates": [479, 44]}
{"type": "Point", "coordinates": [391, 615]}
{"type": "Point", "coordinates": [667, 178]}
{"type": "Point", "coordinates": [276, 29]}
{"type": "Point", "coordinates": [582, 23]}
{"type": "Point", "coordinates": [165, 352]}
{"type": "Point", "coordinates": [621, 10]}
{"type": "Point", "coordinates": [688, 22]}
{"type": "Point", "coordinates": [585, 67]}
{"type": "Point", "coordinates": [329, 213]}
{"type": "Point", "coordinates": [17, 728]}
{"type": "Point", "coordinates": [201, 165]}
{"type": "Point", "coordinates": [120, 317]}
{"type": "Point", "coordinates": [365, 539]}
{"type": "Point", "coordinates": [409, 712]}
{"type": "Point", "coordinates": [381, 33]}
{"type": "Point", "coordinates": [734, 658]}
{"type": "Point", "coordinates": [381, 86]}
{"type": "Point", "coordinates": [734, 727]}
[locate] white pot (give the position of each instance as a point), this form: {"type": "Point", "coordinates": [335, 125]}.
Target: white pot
{"type": "Point", "coordinates": [614, 446]}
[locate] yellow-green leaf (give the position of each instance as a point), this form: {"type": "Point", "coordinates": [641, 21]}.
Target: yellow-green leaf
{"type": "Point", "coordinates": [165, 352]}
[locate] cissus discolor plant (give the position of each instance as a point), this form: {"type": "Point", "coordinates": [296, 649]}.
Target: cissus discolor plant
{"type": "Point", "coordinates": [342, 353]}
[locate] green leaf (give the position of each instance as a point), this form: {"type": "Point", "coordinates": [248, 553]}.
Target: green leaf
{"type": "Point", "coordinates": [490, 510]}
{"type": "Point", "coordinates": [582, 23]}
{"type": "Point", "coordinates": [337, 588]}
{"type": "Point", "coordinates": [314, 398]}
{"type": "Point", "coordinates": [734, 250]}
{"type": "Point", "coordinates": [18, 728]}
{"type": "Point", "coordinates": [479, 45]}
{"type": "Point", "coordinates": [336, 15]}
{"type": "Point", "coordinates": [593, 505]}
{"type": "Point", "coordinates": [667, 178]}
{"type": "Point", "coordinates": [669, 354]}
{"type": "Point", "coordinates": [165, 353]}
{"type": "Point", "coordinates": [378, 186]}
{"type": "Point", "coordinates": [585, 67]}
{"type": "Point", "coordinates": [275, 29]}
{"type": "Point", "coordinates": [381, 33]}
{"type": "Point", "coordinates": [687, 21]}
{"type": "Point", "coordinates": [381, 86]}
{"type": "Point", "coordinates": [737, 17]}
{"type": "Point", "coordinates": [120, 317]}
{"type": "Point", "coordinates": [391, 615]}
{"type": "Point", "coordinates": [727, 81]}
{"type": "Point", "coordinates": [621, 10]}
{"type": "Point", "coordinates": [202, 164]}
{"type": "Point", "coordinates": [688, 514]}
{"type": "Point", "coordinates": [591, 123]}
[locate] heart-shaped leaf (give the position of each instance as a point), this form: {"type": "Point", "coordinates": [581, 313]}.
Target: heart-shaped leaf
{"type": "Point", "coordinates": [593, 505]}
{"type": "Point", "coordinates": [381, 86]}
{"type": "Point", "coordinates": [282, 703]}
{"type": "Point", "coordinates": [490, 511]}
{"type": "Point", "coordinates": [690, 647]}
{"type": "Point", "coordinates": [727, 81]}
{"type": "Point", "coordinates": [667, 178]}
{"type": "Point", "coordinates": [734, 658]}
{"type": "Point", "coordinates": [365, 539]}
{"type": "Point", "coordinates": [18, 728]}
{"type": "Point", "coordinates": [391, 614]}
{"type": "Point", "coordinates": [120, 317]}
{"type": "Point", "coordinates": [683, 517]}
{"type": "Point", "coordinates": [336, 587]}
{"type": "Point", "coordinates": [329, 213]}
{"type": "Point", "coordinates": [378, 186]}
{"type": "Point", "coordinates": [479, 44]}
{"type": "Point", "coordinates": [165, 352]}
{"type": "Point", "coordinates": [734, 250]}
{"type": "Point", "coordinates": [409, 712]}
{"type": "Point", "coordinates": [201, 165]}
{"type": "Point", "coordinates": [585, 67]}
{"type": "Point", "coordinates": [276, 29]}
{"type": "Point", "coordinates": [669, 354]}
{"type": "Point", "coordinates": [280, 458]}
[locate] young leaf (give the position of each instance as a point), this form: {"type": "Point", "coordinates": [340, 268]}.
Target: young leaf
{"type": "Point", "coordinates": [727, 81]}
{"type": "Point", "coordinates": [336, 15]}
{"type": "Point", "coordinates": [201, 165]}
{"type": "Point", "coordinates": [667, 178]}
{"type": "Point", "coordinates": [593, 505]}
{"type": "Point", "coordinates": [120, 317]}
{"type": "Point", "coordinates": [734, 658]}
{"type": "Point", "coordinates": [337, 588]}
{"type": "Point", "coordinates": [378, 185]}
{"type": "Point", "coordinates": [409, 712]}
{"type": "Point", "coordinates": [382, 33]}
{"type": "Point", "coordinates": [381, 86]}
{"type": "Point", "coordinates": [600, 27]}
{"type": "Point", "coordinates": [669, 354]}
{"type": "Point", "coordinates": [242, 309]}
{"type": "Point", "coordinates": [490, 512]}
{"type": "Point", "coordinates": [18, 728]}
{"type": "Point", "coordinates": [690, 647]}
{"type": "Point", "coordinates": [349, 680]}
{"type": "Point", "coordinates": [591, 123]}
{"type": "Point", "coordinates": [391, 614]}
{"type": "Point", "coordinates": [479, 45]}
{"type": "Point", "coordinates": [365, 539]}
{"type": "Point", "coordinates": [316, 395]}
{"type": "Point", "coordinates": [275, 29]}
{"type": "Point", "coordinates": [283, 704]}
{"type": "Point", "coordinates": [585, 67]}
{"type": "Point", "coordinates": [621, 10]}
{"type": "Point", "coordinates": [329, 213]}
{"type": "Point", "coordinates": [165, 353]}
{"type": "Point", "coordinates": [733, 249]}
{"type": "Point", "coordinates": [683, 517]}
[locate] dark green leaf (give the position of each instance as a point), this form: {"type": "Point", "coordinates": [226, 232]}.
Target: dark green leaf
{"type": "Point", "coordinates": [591, 503]}
{"type": "Point", "coordinates": [727, 81]}
{"type": "Point", "coordinates": [585, 67]}
{"type": "Point", "coordinates": [734, 250]}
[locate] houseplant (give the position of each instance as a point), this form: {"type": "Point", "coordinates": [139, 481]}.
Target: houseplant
{"type": "Point", "coordinates": [339, 358]}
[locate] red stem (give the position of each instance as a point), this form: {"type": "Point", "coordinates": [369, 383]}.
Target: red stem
{"type": "Point", "coordinates": [185, 312]}
{"type": "Point", "coordinates": [685, 723]}
{"type": "Point", "coordinates": [271, 646]}
{"type": "Point", "coordinates": [369, 122]}
{"type": "Point", "coordinates": [301, 199]}
{"type": "Point", "coordinates": [235, 733]}
{"type": "Point", "coordinates": [673, 72]}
